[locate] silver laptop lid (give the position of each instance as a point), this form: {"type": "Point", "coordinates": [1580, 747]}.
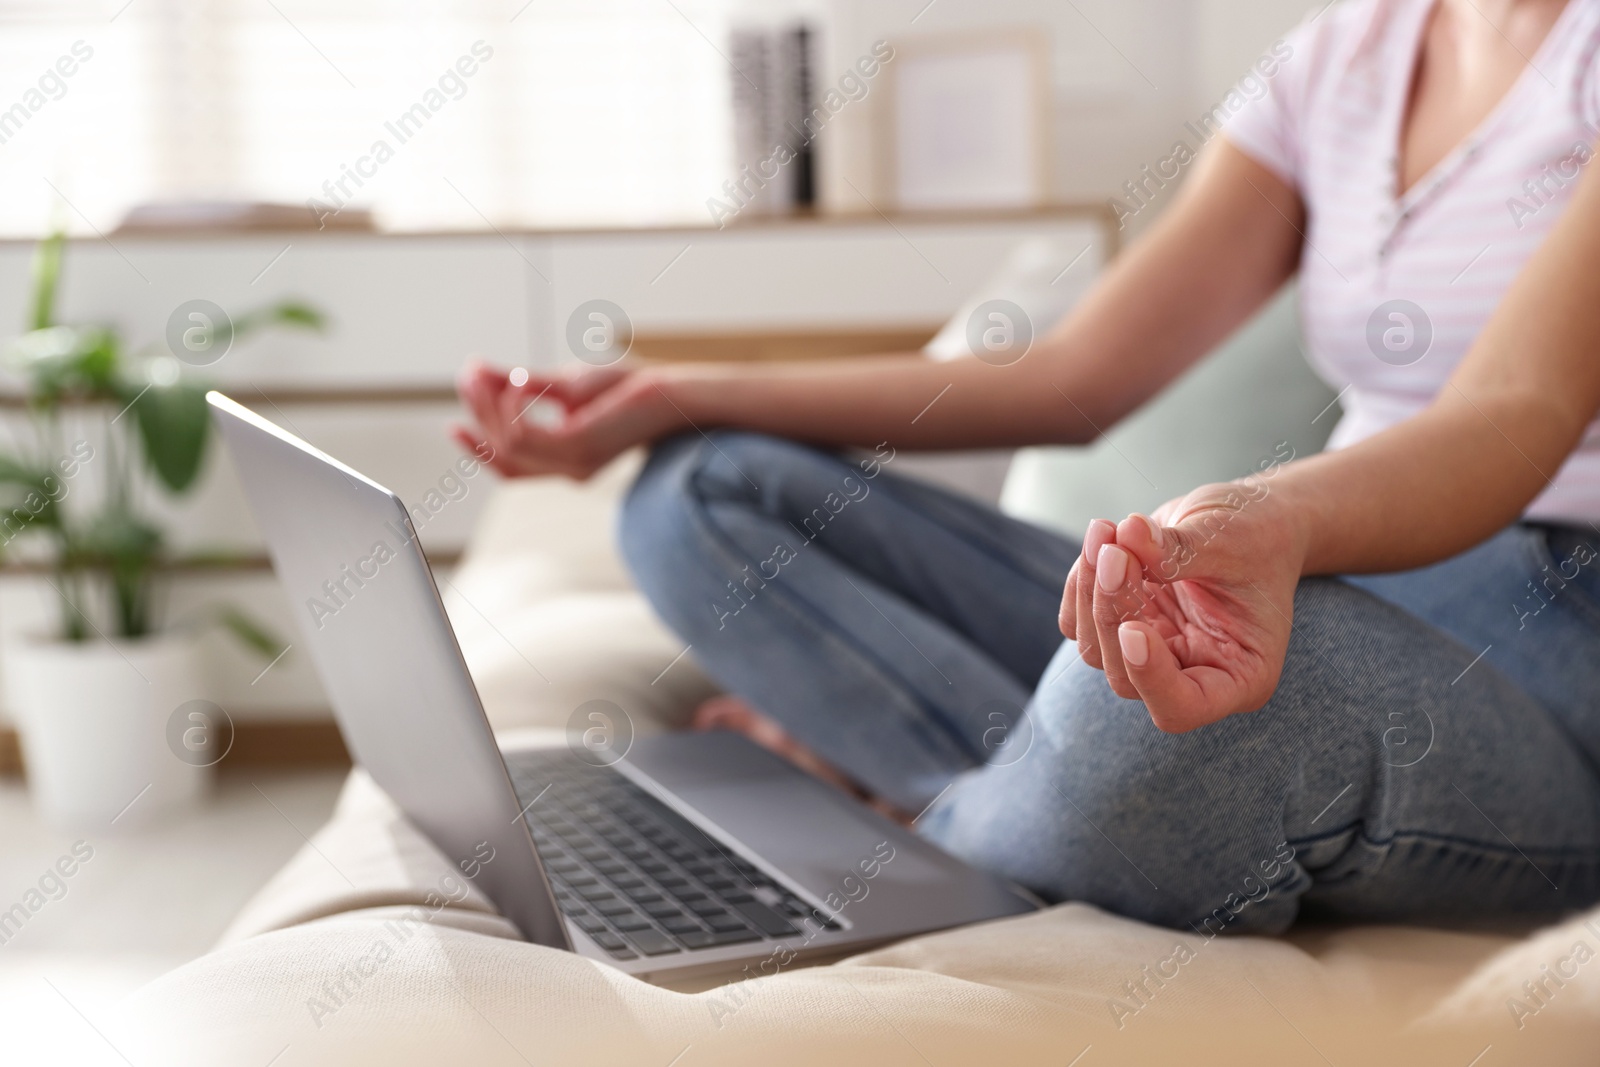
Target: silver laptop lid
{"type": "Point", "coordinates": [370, 614]}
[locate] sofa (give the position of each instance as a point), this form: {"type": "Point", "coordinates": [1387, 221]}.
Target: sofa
{"type": "Point", "coordinates": [365, 949]}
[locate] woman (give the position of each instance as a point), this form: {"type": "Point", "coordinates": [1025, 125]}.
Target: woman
{"type": "Point", "coordinates": [1423, 742]}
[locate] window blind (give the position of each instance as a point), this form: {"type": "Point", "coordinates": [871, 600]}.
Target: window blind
{"type": "Point", "coordinates": [431, 115]}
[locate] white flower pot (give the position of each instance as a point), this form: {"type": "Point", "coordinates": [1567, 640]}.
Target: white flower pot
{"type": "Point", "coordinates": [94, 721]}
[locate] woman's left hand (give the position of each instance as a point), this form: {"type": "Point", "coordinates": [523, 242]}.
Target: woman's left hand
{"type": "Point", "coordinates": [1189, 610]}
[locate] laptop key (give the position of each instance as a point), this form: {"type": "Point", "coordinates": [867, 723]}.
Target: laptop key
{"type": "Point", "coordinates": [653, 943]}
{"type": "Point", "coordinates": [680, 926]}
{"type": "Point", "coordinates": [609, 941]}
{"type": "Point", "coordinates": [734, 937]}
{"type": "Point", "coordinates": [698, 938]}
{"type": "Point", "coordinates": [765, 919]}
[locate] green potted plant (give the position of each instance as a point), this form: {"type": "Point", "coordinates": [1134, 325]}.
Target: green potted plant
{"type": "Point", "coordinates": [95, 700]}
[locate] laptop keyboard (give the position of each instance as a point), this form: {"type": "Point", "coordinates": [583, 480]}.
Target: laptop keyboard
{"type": "Point", "coordinates": [637, 877]}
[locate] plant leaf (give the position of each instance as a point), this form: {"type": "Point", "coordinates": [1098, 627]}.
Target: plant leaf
{"type": "Point", "coordinates": [32, 500]}
{"type": "Point", "coordinates": [59, 360]}
{"type": "Point", "coordinates": [117, 538]}
{"type": "Point", "coordinates": [173, 425]}
{"type": "Point", "coordinates": [251, 633]}
{"type": "Point", "coordinates": [284, 313]}
{"type": "Point", "coordinates": [124, 547]}
{"type": "Point", "coordinates": [46, 273]}
{"type": "Point", "coordinates": [14, 472]}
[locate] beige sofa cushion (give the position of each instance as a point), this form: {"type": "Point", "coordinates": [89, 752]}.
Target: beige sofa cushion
{"type": "Point", "coordinates": [353, 955]}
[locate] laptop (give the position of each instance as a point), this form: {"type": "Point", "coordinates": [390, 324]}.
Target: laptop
{"type": "Point", "coordinates": [691, 855]}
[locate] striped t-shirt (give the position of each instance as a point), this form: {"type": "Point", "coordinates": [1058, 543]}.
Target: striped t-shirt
{"type": "Point", "coordinates": [1394, 289]}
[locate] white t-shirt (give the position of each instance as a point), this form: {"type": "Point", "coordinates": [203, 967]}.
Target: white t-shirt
{"type": "Point", "coordinates": [1395, 289]}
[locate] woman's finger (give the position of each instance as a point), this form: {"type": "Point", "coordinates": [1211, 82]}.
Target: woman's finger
{"type": "Point", "coordinates": [1099, 534]}
{"type": "Point", "coordinates": [514, 401]}
{"type": "Point", "coordinates": [1069, 604]}
{"type": "Point", "coordinates": [476, 372]}
{"type": "Point", "coordinates": [496, 460]}
{"type": "Point", "coordinates": [1146, 539]}
{"type": "Point", "coordinates": [1178, 700]}
{"type": "Point", "coordinates": [479, 387]}
{"type": "Point", "coordinates": [1118, 593]}
{"type": "Point", "coordinates": [470, 441]}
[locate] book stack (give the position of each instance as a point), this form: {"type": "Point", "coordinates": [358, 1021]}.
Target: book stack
{"type": "Point", "coordinates": [772, 94]}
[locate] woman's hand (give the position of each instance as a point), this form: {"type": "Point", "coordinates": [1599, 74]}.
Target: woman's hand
{"type": "Point", "coordinates": [1190, 611]}
{"type": "Point", "coordinates": [603, 413]}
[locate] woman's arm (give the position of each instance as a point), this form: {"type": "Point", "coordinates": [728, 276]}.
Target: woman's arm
{"type": "Point", "coordinates": [1190, 611]}
{"type": "Point", "coordinates": [1226, 244]}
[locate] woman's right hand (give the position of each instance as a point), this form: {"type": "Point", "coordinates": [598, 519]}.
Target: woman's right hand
{"type": "Point", "coordinates": [604, 412]}
{"type": "Point", "coordinates": [1190, 610]}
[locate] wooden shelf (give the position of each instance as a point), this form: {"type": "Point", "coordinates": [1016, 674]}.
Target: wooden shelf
{"type": "Point", "coordinates": [192, 566]}
{"type": "Point", "coordinates": [309, 739]}
{"type": "Point", "coordinates": [294, 396]}
{"type": "Point", "coordinates": [767, 345]}
{"type": "Point", "coordinates": [1095, 211]}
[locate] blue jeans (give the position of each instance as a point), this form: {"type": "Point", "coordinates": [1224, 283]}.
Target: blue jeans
{"type": "Point", "coordinates": [1431, 755]}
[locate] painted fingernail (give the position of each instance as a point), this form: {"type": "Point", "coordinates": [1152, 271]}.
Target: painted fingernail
{"type": "Point", "coordinates": [1155, 530]}
{"type": "Point", "coordinates": [1099, 534]}
{"type": "Point", "coordinates": [1135, 646]}
{"type": "Point", "coordinates": [1111, 568]}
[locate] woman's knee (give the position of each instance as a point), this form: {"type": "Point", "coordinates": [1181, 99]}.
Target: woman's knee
{"type": "Point", "coordinates": [1105, 808]}
{"type": "Point", "coordinates": [660, 516]}
{"type": "Point", "coordinates": [1209, 826]}
{"type": "Point", "coordinates": [657, 503]}
{"type": "Point", "coordinates": [666, 511]}
{"type": "Point", "coordinates": [684, 525]}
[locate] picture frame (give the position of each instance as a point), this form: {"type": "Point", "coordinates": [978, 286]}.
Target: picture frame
{"type": "Point", "coordinates": [965, 122]}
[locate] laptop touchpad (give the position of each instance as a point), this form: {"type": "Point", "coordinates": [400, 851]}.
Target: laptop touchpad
{"type": "Point", "coordinates": [813, 834]}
